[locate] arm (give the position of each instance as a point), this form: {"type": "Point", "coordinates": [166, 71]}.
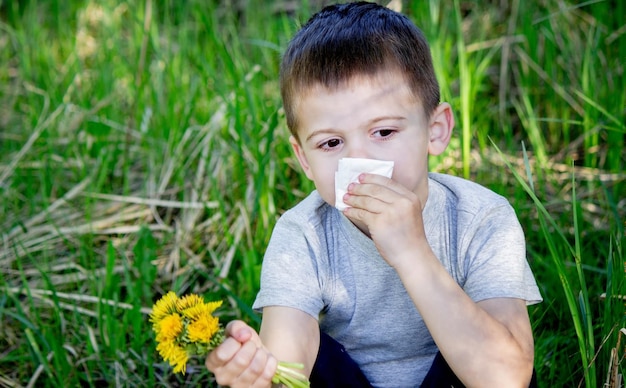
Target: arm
{"type": "Point", "coordinates": [487, 343]}
{"type": "Point", "coordinates": [292, 335]}
{"type": "Point", "coordinates": [247, 359]}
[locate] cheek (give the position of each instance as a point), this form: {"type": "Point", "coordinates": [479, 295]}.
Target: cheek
{"type": "Point", "coordinates": [326, 187]}
{"type": "Point", "coordinates": [409, 173]}
{"type": "Point", "coordinates": [324, 179]}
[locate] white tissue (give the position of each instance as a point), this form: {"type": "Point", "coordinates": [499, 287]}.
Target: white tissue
{"type": "Point", "coordinates": [349, 170]}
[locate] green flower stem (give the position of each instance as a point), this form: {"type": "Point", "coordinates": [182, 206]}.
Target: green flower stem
{"type": "Point", "coordinates": [290, 378]}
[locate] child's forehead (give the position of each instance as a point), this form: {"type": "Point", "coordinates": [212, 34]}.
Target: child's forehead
{"type": "Point", "coordinates": [381, 79]}
{"type": "Point", "coordinates": [329, 99]}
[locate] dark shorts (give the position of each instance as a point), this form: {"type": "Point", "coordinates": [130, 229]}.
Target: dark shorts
{"type": "Point", "coordinates": [335, 368]}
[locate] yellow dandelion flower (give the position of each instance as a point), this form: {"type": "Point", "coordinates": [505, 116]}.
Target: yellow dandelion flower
{"type": "Point", "coordinates": [164, 348]}
{"type": "Point", "coordinates": [180, 364]}
{"type": "Point", "coordinates": [186, 328]}
{"type": "Point", "coordinates": [203, 328]}
{"type": "Point", "coordinates": [195, 311]}
{"type": "Point", "coordinates": [189, 301]}
{"type": "Point", "coordinates": [164, 306]}
{"type": "Point", "coordinates": [212, 306]}
{"type": "Point", "coordinates": [175, 355]}
{"type": "Point", "coordinates": [169, 327]}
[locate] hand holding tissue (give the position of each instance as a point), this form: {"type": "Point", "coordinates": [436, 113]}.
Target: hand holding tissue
{"type": "Point", "coordinates": [349, 170]}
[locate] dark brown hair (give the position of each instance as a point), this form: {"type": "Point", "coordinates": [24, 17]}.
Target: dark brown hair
{"type": "Point", "coordinates": [343, 41]}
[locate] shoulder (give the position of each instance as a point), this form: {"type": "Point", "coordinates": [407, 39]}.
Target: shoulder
{"type": "Point", "coordinates": [469, 206]}
{"type": "Point", "coordinates": [307, 218]}
{"type": "Point", "coordinates": [308, 211]}
{"type": "Point", "coordinates": [465, 195]}
{"type": "Point", "coordinates": [293, 266]}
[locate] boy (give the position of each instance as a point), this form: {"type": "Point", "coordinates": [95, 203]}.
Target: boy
{"type": "Point", "coordinates": [421, 271]}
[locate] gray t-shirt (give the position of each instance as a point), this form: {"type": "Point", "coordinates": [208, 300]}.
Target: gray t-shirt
{"type": "Point", "coordinates": [319, 262]}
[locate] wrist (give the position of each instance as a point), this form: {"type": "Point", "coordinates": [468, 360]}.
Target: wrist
{"type": "Point", "coordinates": [415, 259]}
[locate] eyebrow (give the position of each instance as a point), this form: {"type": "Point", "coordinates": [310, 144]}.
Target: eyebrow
{"type": "Point", "coordinates": [373, 121]}
{"type": "Point", "coordinates": [319, 132]}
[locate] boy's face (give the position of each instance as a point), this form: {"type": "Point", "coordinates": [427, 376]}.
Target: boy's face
{"type": "Point", "coordinates": [368, 117]}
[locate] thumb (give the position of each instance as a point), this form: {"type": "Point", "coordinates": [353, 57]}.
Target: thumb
{"type": "Point", "coordinates": [241, 332]}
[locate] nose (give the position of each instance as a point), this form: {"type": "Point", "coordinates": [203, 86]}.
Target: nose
{"type": "Point", "coordinates": [358, 154]}
{"type": "Point", "coordinates": [357, 149]}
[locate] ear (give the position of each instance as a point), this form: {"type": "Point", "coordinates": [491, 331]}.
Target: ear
{"type": "Point", "coordinates": [440, 129]}
{"type": "Point", "coordinates": [297, 149]}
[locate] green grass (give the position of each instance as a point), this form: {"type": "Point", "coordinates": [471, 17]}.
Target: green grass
{"type": "Point", "coordinates": [144, 150]}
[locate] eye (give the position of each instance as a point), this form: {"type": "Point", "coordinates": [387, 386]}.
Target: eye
{"type": "Point", "coordinates": [330, 144]}
{"type": "Point", "coordinates": [384, 133]}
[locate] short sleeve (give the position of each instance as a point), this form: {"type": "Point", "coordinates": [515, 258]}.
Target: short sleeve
{"type": "Point", "coordinates": [495, 262]}
{"type": "Point", "coordinates": [290, 274]}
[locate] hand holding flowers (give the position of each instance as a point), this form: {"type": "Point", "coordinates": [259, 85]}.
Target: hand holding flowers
{"type": "Point", "coordinates": [186, 327]}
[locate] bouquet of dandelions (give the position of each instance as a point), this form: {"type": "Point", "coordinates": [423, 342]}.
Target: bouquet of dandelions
{"type": "Point", "coordinates": [185, 327]}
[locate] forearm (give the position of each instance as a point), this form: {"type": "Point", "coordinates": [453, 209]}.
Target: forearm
{"type": "Point", "coordinates": [291, 335]}
{"type": "Point", "coordinates": [479, 345]}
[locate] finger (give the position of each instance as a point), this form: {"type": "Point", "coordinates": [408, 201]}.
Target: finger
{"type": "Point", "coordinates": [383, 193]}
{"type": "Point", "coordinates": [243, 333]}
{"type": "Point", "coordinates": [383, 181]}
{"type": "Point", "coordinates": [369, 209]}
{"type": "Point", "coordinates": [222, 354]}
{"type": "Point", "coordinates": [270, 369]}
{"type": "Point", "coordinates": [365, 202]}
{"type": "Point", "coordinates": [230, 373]}
{"type": "Point", "coordinates": [358, 214]}
{"type": "Point", "coordinates": [257, 373]}
{"type": "Point", "coordinates": [239, 330]}
{"type": "Point", "coordinates": [370, 196]}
